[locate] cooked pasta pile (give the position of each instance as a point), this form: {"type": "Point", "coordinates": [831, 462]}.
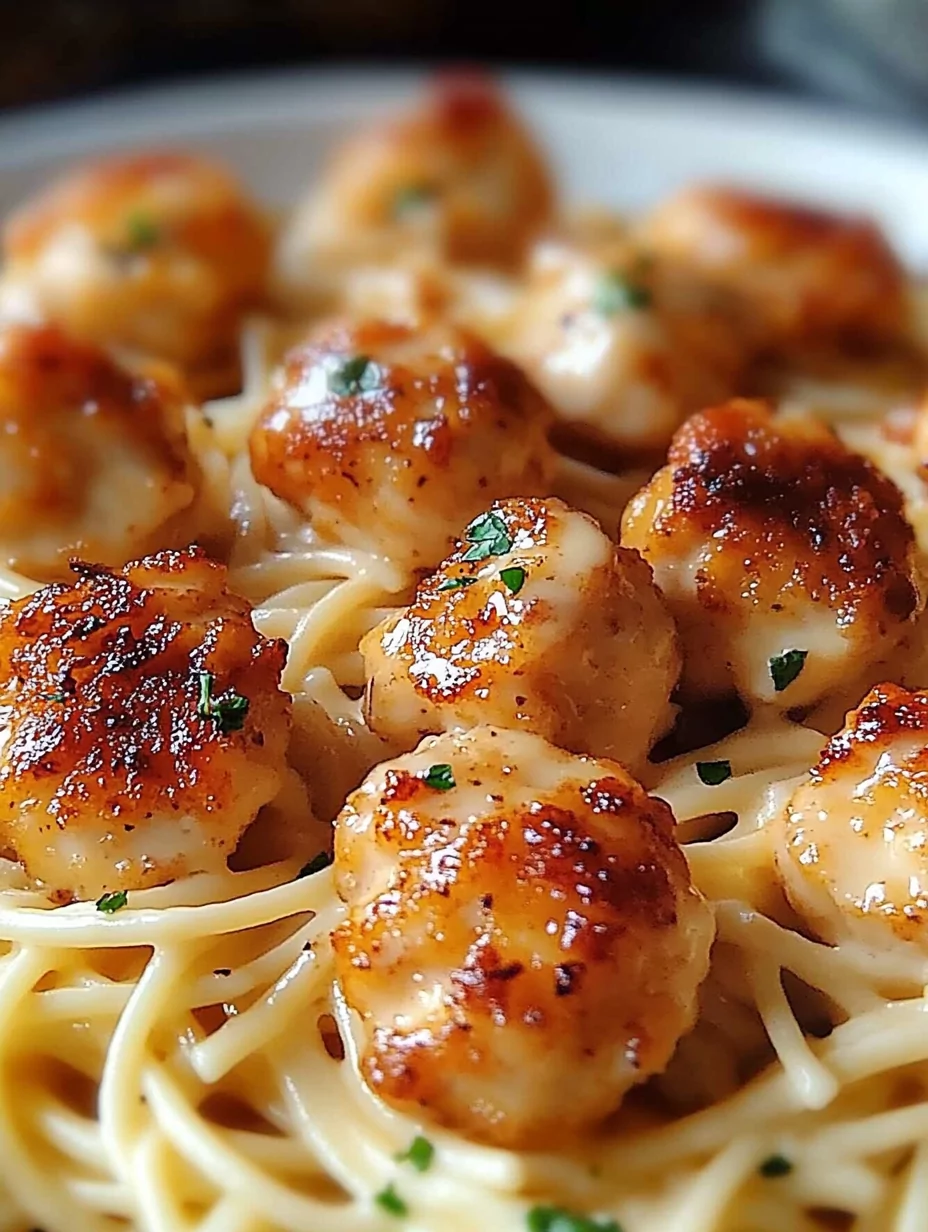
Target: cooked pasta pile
{"type": "Point", "coordinates": [192, 1050]}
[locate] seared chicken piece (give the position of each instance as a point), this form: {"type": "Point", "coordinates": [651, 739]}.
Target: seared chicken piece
{"type": "Point", "coordinates": [456, 179]}
{"type": "Point", "coordinates": [537, 621]}
{"type": "Point", "coordinates": [142, 725]}
{"type": "Point", "coordinates": [160, 253]}
{"type": "Point", "coordinates": [94, 460]}
{"type": "Point", "coordinates": [852, 845]}
{"type": "Point", "coordinates": [801, 275]}
{"type": "Point", "coordinates": [521, 924]}
{"type": "Point", "coordinates": [389, 438]}
{"type": "Point", "coordinates": [622, 347]}
{"type": "Point", "coordinates": [786, 559]}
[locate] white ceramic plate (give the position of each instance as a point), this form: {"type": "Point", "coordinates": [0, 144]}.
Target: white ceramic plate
{"type": "Point", "coordinates": [611, 141]}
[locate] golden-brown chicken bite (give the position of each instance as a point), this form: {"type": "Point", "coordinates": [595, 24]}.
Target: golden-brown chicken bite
{"type": "Point", "coordinates": [801, 275]}
{"type": "Point", "coordinates": [94, 460]}
{"type": "Point", "coordinates": [852, 844]}
{"type": "Point", "coordinates": [619, 346]}
{"type": "Point", "coordinates": [536, 621]}
{"type": "Point", "coordinates": [456, 179]}
{"type": "Point", "coordinates": [786, 559]}
{"type": "Point", "coordinates": [521, 924]}
{"type": "Point", "coordinates": [389, 438]}
{"type": "Point", "coordinates": [159, 253]}
{"type": "Point", "coordinates": [142, 725]}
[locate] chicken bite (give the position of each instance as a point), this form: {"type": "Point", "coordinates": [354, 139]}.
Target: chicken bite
{"type": "Point", "coordinates": [456, 179]}
{"type": "Point", "coordinates": [620, 346]}
{"type": "Point", "coordinates": [388, 437]}
{"type": "Point", "coordinates": [142, 724]}
{"type": "Point", "coordinates": [521, 923]}
{"type": "Point", "coordinates": [159, 253]}
{"type": "Point", "coordinates": [852, 844]}
{"type": "Point", "coordinates": [536, 621]}
{"type": "Point", "coordinates": [94, 460]}
{"type": "Point", "coordinates": [801, 275]}
{"type": "Point", "coordinates": [786, 560]}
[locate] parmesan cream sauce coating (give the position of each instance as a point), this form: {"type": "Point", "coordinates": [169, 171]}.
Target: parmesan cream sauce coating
{"type": "Point", "coordinates": [523, 942]}
{"type": "Point", "coordinates": [801, 275]}
{"type": "Point", "coordinates": [556, 632]}
{"type": "Point", "coordinates": [852, 843]}
{"type": "Point", "coordinates": [768, 536]}
{"type": "Point", "coordinates": [161, 253]}
{"type": "Point", "coordinates": [94, 460]}
{"type": "Point", "coordinates": [458, 178]}
{"type": "Point", "coordinates": [114, 774]}
{"type": "Point", "coordinates": [390, 437]}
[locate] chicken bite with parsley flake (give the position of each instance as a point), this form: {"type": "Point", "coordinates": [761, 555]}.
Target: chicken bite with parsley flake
{"type": "Point", "coordinates": [622, 350]}
{"type": "Point", "coordinates": [456, 179]}
{"type": "Point", "coordinates": [786, 559]}
{"type": "Point", "coordinates": [523, 942]}
{"type": "Point", "coordinates": [389, 437]}
{"type": "Point", "coordinates": [94, 456]}
{"type": "Point", "coordinates": [536, 621]}
{"type": "Point", "coordinates": [159, 253]}
{"type": "Point", "coordinates": [142, 723]}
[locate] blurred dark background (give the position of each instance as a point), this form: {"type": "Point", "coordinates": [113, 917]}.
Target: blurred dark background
{"type": "Point", "coordinates": [866, 53]}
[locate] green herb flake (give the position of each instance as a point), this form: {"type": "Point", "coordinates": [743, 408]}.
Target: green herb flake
{"type": "Point", "coordinates": [141, 232]}
{"type": "Point", "coordinates": [775, 1166]}
{"type": "Point", "coordinates": [439, 777]}
{"type": "Point", "coordinates": [488, 536]}
{"type": "Point", "coordinates": [58, 696]}
{"type": "Point", "coordinates": [390, 1201]}
{"type": "Point", "coordinates": [713, 772]}
{"type": "Point", "coordinates": [320, 860]}
{"type": "Point", "coordinates": [614, 292]}
{"type": "Point", "coordinates": [513, 579]}
{"type": "Point", "coordinates": [412, 197]}
{"type": "Point", "coordinates": [114, 901]}
{"type": "Point", "coordinates": [420, 1154]}
{"type": "Point", "coordinates": [354, 376]}
{"type": "Point", "coordinates": [456, 583]}
{"type": "Point", "coordinates": [784, 668]}
{"type": "Point", "coordinates": [557, 1219]}
{"type": "Point", "coordinates": [228, 712]}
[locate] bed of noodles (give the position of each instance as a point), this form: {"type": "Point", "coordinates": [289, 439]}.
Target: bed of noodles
{"type": "Point", "coordinates": [188, 1064]}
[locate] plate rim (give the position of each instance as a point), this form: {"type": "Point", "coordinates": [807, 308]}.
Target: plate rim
{"type": "Point", "coordinates": [228, 100]}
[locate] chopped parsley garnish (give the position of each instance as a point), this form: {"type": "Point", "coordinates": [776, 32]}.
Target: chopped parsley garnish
{"type": "Point", "coordinates": [456, 583]}
{"type": "Point", "coordinates": [557, 1219]}
{"type": "Point", "coordinates": [614, 292]}
{"type": "Point", "coordinates": [412, 197]}
{"type": "Point", "coordinates": [786, 667]}
{"type": "Point", "coordinates": [114, 901]}
{"type": "Point", "coordinates": [320, 860]}
{"type": "Point", "coordinates": [439, 777]}
{"type": "Point", "coordinates": [59, 696]}
{"type": "Point", "coordinates": [391, 1202]}
{"type": "Point", "coordinates": [419, 1153]}
{"type": "Point", "coordinates": [487, 536]}
{"type": "Point", "coordinates": [228, 712]}
{"type": "Point", "coordinates": [357, 375]}
{"type": "Point", "coordinates": [141, 232]}
{"type": "Point", "coordinates": [775, 1165]}
{"type": "Point", "coordinates": [713, 772]}
{"type": "Point", "coordinates": [513, 578]}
